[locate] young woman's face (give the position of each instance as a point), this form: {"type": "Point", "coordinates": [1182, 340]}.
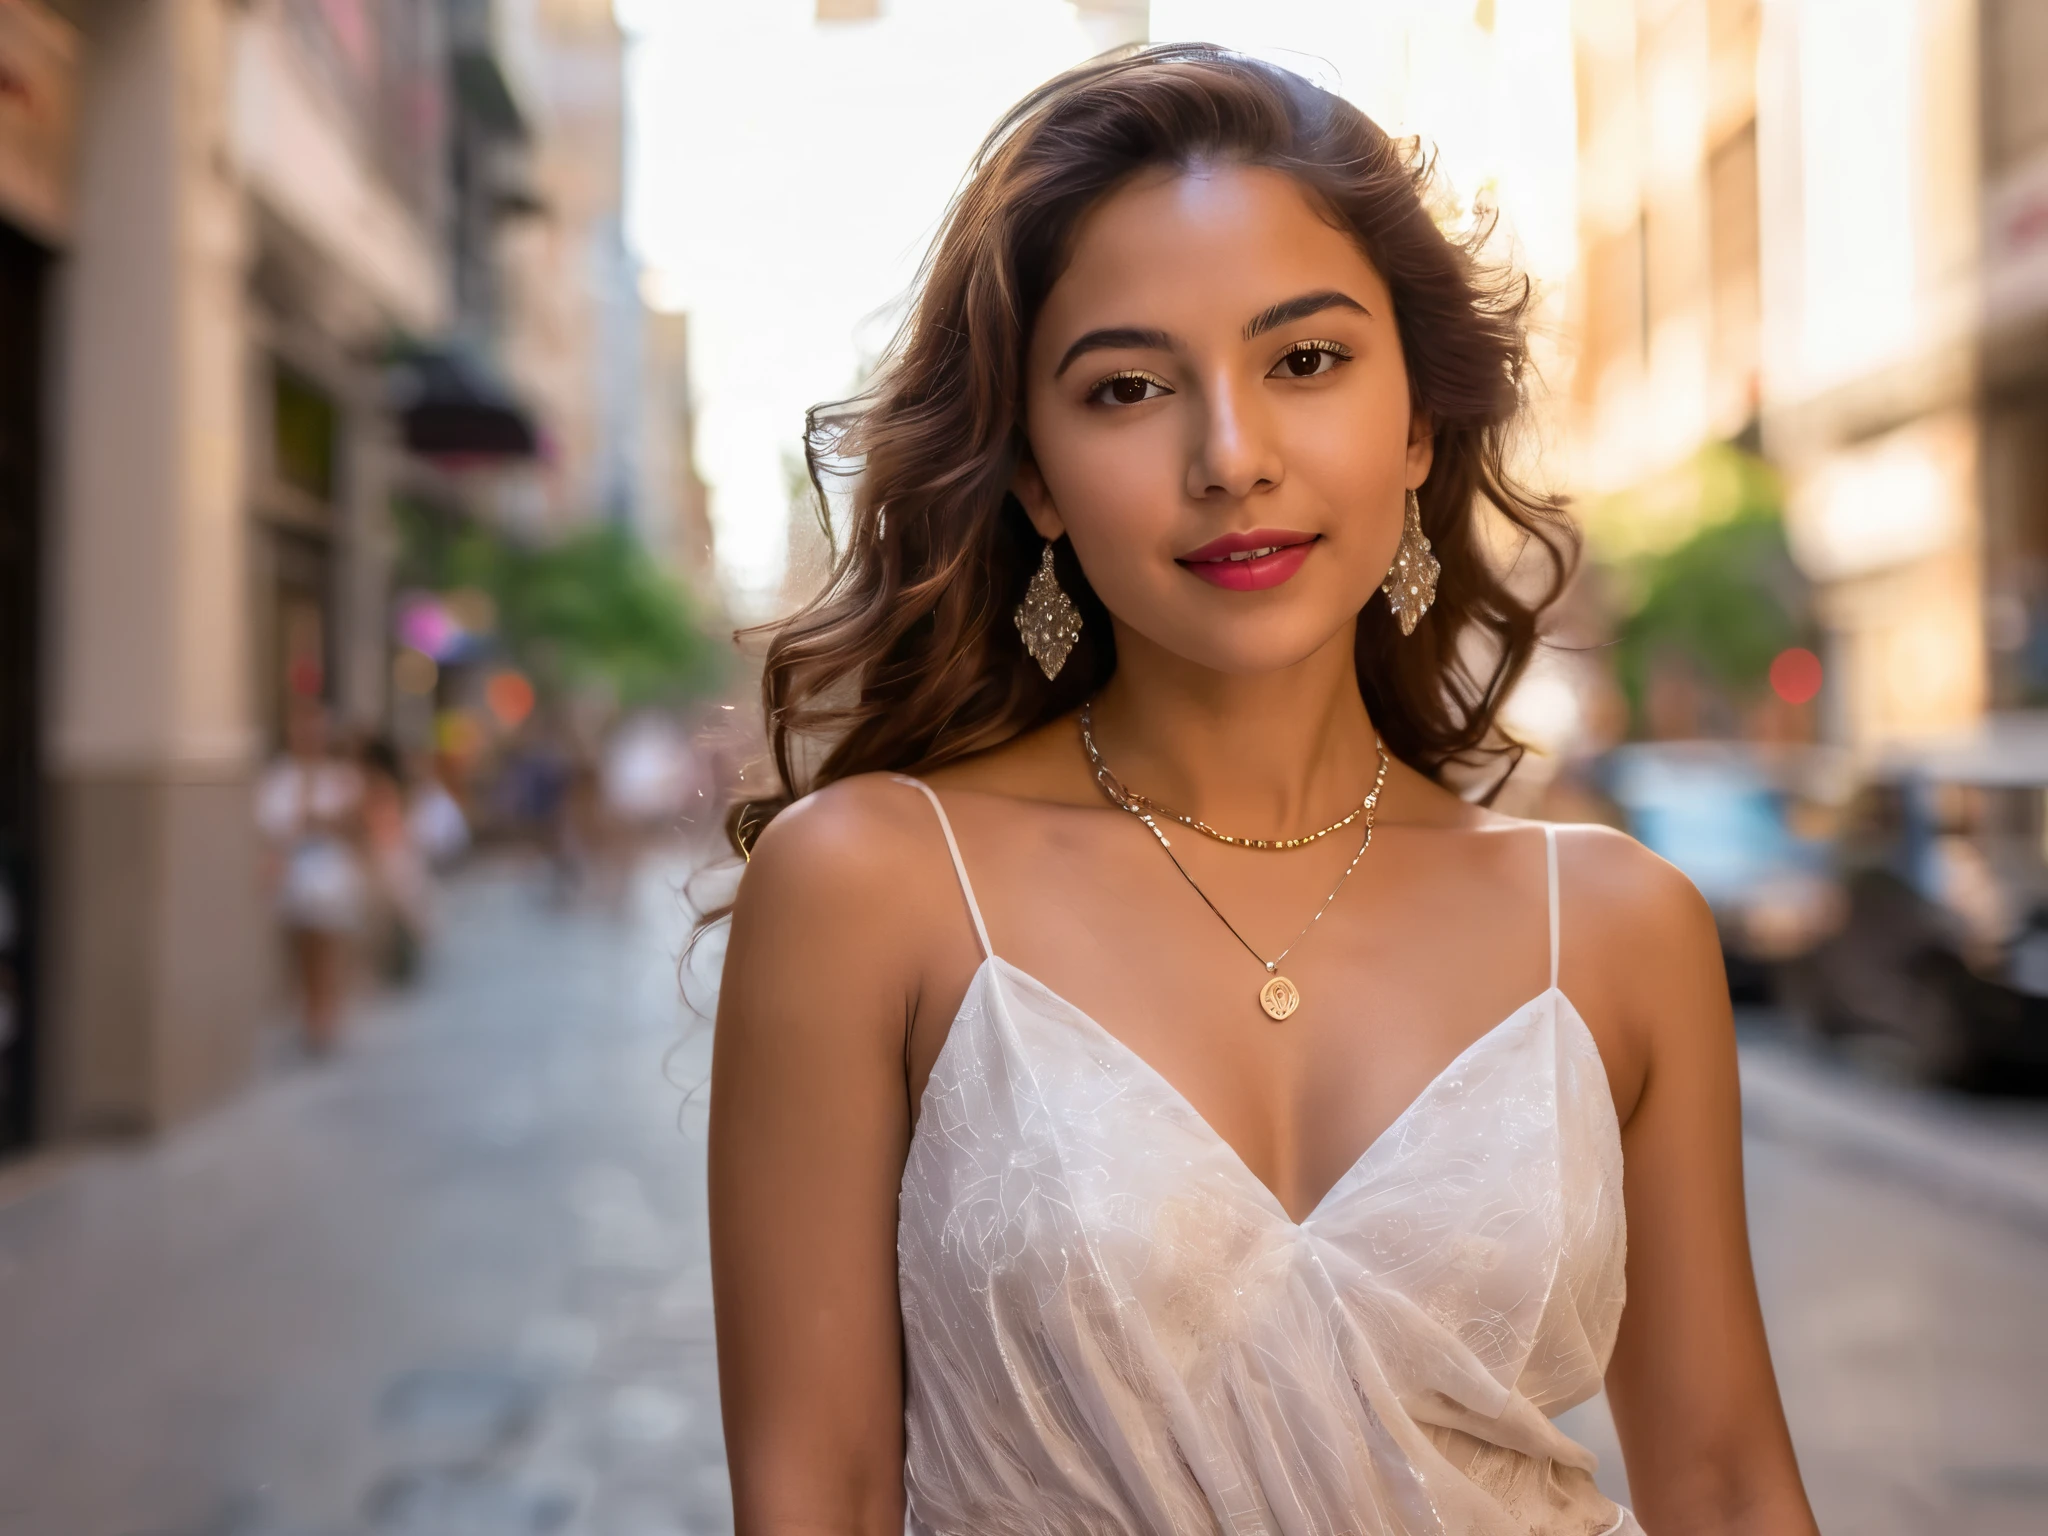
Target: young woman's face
{"type": "Point", "coordinates": [1217, 373]}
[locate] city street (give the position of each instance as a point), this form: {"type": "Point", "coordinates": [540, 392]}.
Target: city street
{"type": "Point", "coordinates": [453, 1283]}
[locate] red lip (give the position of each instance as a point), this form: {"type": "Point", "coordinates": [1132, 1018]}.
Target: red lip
{"type": "Point", "coordinates": [1215, 564]}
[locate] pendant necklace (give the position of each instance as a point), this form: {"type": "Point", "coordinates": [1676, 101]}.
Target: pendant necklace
{"type": "Point", "coordinates": [1279, 997]}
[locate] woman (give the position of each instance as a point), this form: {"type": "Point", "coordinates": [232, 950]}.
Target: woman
{"type": "Point", "coordinates": [400, 877]}
{"type": "Point", "coordinates": [309, 806]}
{"type": "Point", "coordinates": [1146, 1097]}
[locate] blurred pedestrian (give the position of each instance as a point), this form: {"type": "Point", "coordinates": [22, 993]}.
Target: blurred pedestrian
{"type": "Point", "coordinates": [401, 884]}
{"type": "Point", "coordinates": [309, 807]}
{"type": "Point", "coordinates": [440, 830]}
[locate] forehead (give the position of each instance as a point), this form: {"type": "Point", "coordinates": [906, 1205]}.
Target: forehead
{"type": "Point", "coordinates": [1214, 243]}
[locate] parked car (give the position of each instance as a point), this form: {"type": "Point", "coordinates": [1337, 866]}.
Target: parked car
{"type": "Point", "coordinates": [1738, 819]}
{"type": "Point", "coordinates": [1938, 958]}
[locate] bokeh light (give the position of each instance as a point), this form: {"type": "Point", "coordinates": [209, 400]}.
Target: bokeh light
{"type": "Point", "coordinates": [1795, 675]}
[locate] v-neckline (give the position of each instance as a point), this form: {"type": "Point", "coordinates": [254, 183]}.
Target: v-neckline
{"type": "Point", "coordinates": [993, 963]}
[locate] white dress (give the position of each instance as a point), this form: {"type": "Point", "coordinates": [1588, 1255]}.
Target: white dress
{"type": "Point", "coordinates": [1111, 1326]}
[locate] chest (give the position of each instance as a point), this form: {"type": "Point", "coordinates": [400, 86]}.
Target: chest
{"type": "Point", "coordinates": [1396, 976]}
{"type": "Point", "coordinates": [1046, 1150]}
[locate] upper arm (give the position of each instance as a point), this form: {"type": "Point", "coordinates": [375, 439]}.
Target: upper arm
{"type": "Point", "coordinates": [1696, 1404]}
{"type": "Point", "coordinates": [809, 1129]}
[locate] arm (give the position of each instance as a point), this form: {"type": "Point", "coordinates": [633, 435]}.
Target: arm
{"type": "Point", "coordinates": [809, 1128]}
{"type": "Point", "coordinates": [1694, 1398]}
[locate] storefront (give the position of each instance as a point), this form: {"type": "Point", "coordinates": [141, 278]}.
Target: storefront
{"type": "Point", "coordinates": [36, 61]}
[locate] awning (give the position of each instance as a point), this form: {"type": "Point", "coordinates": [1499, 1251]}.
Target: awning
{"type": "Point", "coordinates": [453, 406]}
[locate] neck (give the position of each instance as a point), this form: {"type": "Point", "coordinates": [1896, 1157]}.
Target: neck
{"type": "Point", "coordinates": [1278, 754]}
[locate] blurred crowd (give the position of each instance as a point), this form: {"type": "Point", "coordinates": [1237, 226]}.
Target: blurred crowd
{"type": "Point", "coordinates": [353, 836]}
{"type": "Point", "coordinates": [357, 835]}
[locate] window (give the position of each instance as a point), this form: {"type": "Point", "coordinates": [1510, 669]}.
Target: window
{"type": "Point", "coordinates": [302, 435]}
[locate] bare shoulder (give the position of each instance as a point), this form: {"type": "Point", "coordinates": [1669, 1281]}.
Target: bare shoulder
{"type": "Point", "coordinates": [847, 918]}
{"type": "Point", "coordinates": [1642, 957]}
{"type": "Point", "coordinates": [1624, 891]}
{"type": "Point", "coordinates": [842, 853]}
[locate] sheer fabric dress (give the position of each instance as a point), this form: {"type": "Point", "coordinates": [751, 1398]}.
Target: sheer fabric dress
{"type": "Point", "coordinates": [1111, 1326]}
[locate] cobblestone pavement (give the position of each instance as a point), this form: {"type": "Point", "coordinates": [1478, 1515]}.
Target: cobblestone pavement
{"type": "Point", "coordinates": [454, 1283]}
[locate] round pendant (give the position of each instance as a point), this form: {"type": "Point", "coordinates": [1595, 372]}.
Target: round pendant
{"type": "Point", "coordinates": [1279, 997]}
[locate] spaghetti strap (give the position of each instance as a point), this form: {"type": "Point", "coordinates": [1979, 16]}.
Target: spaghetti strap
{"type": "Point", "coordinates": [1550, 858]}
{"type": "Point", "coordinates": [959, 865]}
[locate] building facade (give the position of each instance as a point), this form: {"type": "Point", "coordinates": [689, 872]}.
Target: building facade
{"type": "Point", "coordinates": [1818, 229]}
{"type": "Point", "coordinates": [1667, 299]}
{"type": "Point", "coordinates": [1871, 198]}
{"type": "Point", "coordinates": [217, 221]}
{"type": "Point", "coordinates": [38, 87]}
{"type": "Point", "coordinates": [268, 267]}
{"type": "Point", "coordinates": [255, 193]}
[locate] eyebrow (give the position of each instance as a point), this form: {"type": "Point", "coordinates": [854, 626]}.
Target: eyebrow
{"type": "Point", "coordinates": [1287, 311]}
{"type": "Point", "coordinates": [1284, 313]}
{"type": "Point", "coordinates": [1112, 339]}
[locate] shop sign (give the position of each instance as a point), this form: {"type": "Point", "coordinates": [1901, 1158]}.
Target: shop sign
{"type": "Point", "coordinates": [38, 90]}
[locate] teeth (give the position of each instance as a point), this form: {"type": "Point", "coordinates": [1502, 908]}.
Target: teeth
{"type": "Point", "coordinates": [1256, 554]}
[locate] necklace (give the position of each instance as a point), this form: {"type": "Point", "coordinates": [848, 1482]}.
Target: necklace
{"type": "Point", "coordinates": [1131, 800]}
{"type": "Point", "coordinates": [1279, 997]}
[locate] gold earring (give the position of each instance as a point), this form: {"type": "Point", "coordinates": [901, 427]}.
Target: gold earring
{"type": "Point", "coordinates": [1048, 619]}
{"type": "Point", "coordinates": [1411, 580]}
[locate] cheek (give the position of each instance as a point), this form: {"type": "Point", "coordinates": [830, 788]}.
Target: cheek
{"type": "Point", "coordinates": [1119, 491]}
{"type": "Point", "coordinates": [1352, 462]}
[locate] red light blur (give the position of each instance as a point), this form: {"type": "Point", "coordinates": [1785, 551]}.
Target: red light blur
{"type": "Point", "coordinates": [1795, 675]}
{"type": "Point", "coordinates": [510, 697]}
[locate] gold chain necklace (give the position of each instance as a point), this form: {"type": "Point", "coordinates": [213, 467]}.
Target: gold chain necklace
{"type": "Point", "coordinates": [1131, 800]}
{"type": "Point", "coordinates": [1279, 997]}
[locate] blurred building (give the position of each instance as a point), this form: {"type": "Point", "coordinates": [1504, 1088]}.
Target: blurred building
{"type": "Point", "coordinates": [607, 376]}
{"type": "Point", "coordinates": [1872, 201]}
{"type": "Point", "coordinates": [674, 505]}
{"type": "Point", "coordinates": [570, 330]}
{"type": "Point", "coordinates": [1669, 265]}
{"type": "Point", "coordinates": [38, 87]}
{"type": "Point", "coordinates": [1819, 228]}
{"type": "Point", "coordinates": [217, 225]}
{"type": "Point", "coordinates": [256, 199]}
{"type": "Point", "coordinates": [267, 269]}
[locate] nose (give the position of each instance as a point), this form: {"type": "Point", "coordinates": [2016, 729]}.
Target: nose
{"type": "Point", "coordinates": [1234, 456]}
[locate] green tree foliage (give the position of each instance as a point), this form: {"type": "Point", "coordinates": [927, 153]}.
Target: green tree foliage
{"type": "Point", "coordinates": [590, 612]}
{"type": "Point", "coordinates": [1724, 600]}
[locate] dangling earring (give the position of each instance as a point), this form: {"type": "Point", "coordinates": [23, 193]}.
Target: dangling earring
{"type": "Point", "coordinates": [1411, 580]}
{"type": "Point", "coordinates": [1048, 619]}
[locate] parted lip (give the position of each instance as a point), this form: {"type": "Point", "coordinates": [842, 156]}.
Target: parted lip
{"type": "Point", "coordinates": [1238, 544]}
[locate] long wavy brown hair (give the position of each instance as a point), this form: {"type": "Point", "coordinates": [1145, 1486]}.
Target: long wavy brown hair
{"type": "Point", "coordinates": [909, 659]}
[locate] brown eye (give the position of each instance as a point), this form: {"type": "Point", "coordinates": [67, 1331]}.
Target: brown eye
{"type": "Point", "coordinates": [1310, 359]}
{"type": "Point", "coordinates": [1127, 389]}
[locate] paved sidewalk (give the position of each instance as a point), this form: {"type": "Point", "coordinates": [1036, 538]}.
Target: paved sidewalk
{"type": "Point", "coordinates": [1980, 1154]}
{"type": "Point", "coordinates": [451, 1284]}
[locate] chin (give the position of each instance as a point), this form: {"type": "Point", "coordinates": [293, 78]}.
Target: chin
{"type": "Point", "coordinates": [1253, 646]}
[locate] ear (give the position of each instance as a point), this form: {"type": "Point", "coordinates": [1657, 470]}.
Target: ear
{"type": "Point", "coordinates": [1421, 447]}
{"type": "Point", "coordinates": [1029, 487]}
